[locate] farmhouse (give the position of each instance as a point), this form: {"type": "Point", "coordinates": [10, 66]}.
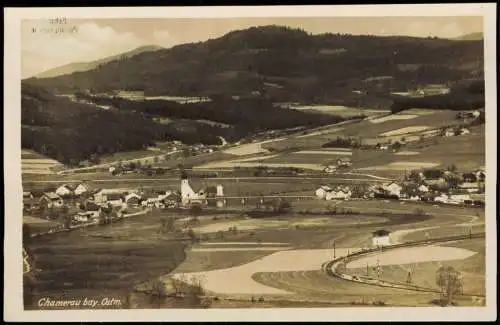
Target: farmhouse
{"type": "Point", "coordinates": [449, 132]}
{"type": "Point", "coordinates": [114, 199]}
{"type": "Point", "coordinates": [344, 162]}
{"type": "Point", "coordinates": [480, 174]}
{"type": "Point", "coordinates": [172, 200]}
{"type": "Point", "coordinates": [382, 146]}
{"type": "Point", "coordinates": [433, 176]}
{"type": "Point", "coordinates": [458, 198]}
{"type": "Point", "coordinates": [464, 131]}
{"type": "Point", "coordinates": [105, 195]}
{"type": "Point", "coordinates": [83, 188]}
{"type": "Point", "coordinates": [433, 89]}
{"type": "Point", "coordinates": [380, 238]}
{"type": "Point", "coordinates": [423, 188]}
{"type": "Point", "coordinates": [64, 190]}
{"type": "Point", "coordinates": [393, 189]}
{"type": "Point", "coordinates": [321, 192]}
{"type": "Point", "coordinates": [469, 177]}
{"type": "Point", "coordinates": [28, 195]}
{"type": "Point", "coordinates": [132, 199]}
{"type": "Point", "coordinates": [470, 187]}
{"type": "Point", "coordinates": [330, 169]}
{"type": "Point", "coordinates": [51, 200]}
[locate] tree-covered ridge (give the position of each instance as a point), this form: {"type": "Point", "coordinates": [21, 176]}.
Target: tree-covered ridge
{"type": "Point", "coordinates": [284, 64]}
{"type": "Point", "coordinates": [72, 132]}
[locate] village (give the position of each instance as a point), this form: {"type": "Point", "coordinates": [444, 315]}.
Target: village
{"type": "Point", "coordinates": [73, 205]}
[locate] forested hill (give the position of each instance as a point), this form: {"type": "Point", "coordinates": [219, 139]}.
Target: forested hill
{"type": "Point", "coordinates": [72, 132]}
{"type": "Point", "coordinates": [284, 64]}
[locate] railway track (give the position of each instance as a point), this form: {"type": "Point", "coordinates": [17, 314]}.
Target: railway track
{"type": "Point", "coordinates": [330, 267]}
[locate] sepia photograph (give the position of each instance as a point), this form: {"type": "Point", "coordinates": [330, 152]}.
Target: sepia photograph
{"type": "Point", "coordinates": [272, 161]}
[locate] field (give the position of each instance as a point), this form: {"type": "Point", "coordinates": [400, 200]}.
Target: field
{"type": "Point", "coordinates": [107, 260]}
{"type": "Point", "coordinates": [339, 110]}
{"type": "Point", "coordinates": [467, 257]}
{"type": "Point", "coordinates": [34, 163]}
{"type": "Point", "coordinates": [258, 259]}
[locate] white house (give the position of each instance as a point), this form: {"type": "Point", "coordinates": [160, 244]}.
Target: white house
{"type": "Point", "coordinates": [449, 133]}
{"type": "Point", "coordinates": [344, 162]}
{"type": "Point", "coordinates": [113, 197]}
{"type": "Point", "coordinates": [393, 188]}
{"type": "Point", "coordinates": [64, 190]}
{"type": "Point", "coordinates": [458, 198]}
{"type": "Point", "coordinates": [28, 195]}
{"type": "Point", "coordinates": [464, 131]}
{"type": "Point", "coordinates": [443, 198]}
{"type": "Point", "coordinates": [423, 188]}
{"type": "Point", "coordinates": [476, 114]}
{"type": "Point", "coordinates": [82, 188]}
{"type": "Point", "coordinates": [321, 192]}
{"type": "Point", "coordinates": [330, 169]}
{"type": "Point", "coordinates": [339, 194]}
{"type": "Point", "coordinates": [381, 238]}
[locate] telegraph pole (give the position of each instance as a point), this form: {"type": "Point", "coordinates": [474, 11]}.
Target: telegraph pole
{"type": "Point", "coordinates": [379, 271]}
{"type": "Point", "coordinates": [334, 250]}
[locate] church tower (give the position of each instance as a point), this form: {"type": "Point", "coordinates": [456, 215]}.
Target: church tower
{"type": "Point", "coordinates": [187, 192]}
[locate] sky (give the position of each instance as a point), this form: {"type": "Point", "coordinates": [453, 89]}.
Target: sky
{"type": "Point", "coordinates": [45, 46]}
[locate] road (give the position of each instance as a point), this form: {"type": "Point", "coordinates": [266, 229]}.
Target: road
{"type": "Point", "coordinates": [113, 163]}
{"type": "Point", "coordinates": [281, 178]}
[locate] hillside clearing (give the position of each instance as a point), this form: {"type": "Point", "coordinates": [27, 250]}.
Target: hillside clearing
{"type": "Point", "coordinates": [402, 165]}
{"type": "Point", "coordinates": [325, 152]}
{"type": "Point", "coordinates": [405, 130]}
{"type": "Point", "coordinates": [392, 118]}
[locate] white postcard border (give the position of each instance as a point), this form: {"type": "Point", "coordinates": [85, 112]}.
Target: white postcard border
{"type": "Point", "coordinates": [13, 305]}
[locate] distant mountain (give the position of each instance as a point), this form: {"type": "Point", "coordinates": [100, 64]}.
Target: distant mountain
{"type": "Point", "coordinates": [284, 64]}
{"type": "Point", "coordinates": [470, 37]}
{"type": "Point", "coordinates": [85, 66]}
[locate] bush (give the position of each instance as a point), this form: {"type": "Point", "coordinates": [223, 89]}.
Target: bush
{"type": "Point", "coordinates": [419, 212]}
{"type": "Point", "coordinates": [378, 303]}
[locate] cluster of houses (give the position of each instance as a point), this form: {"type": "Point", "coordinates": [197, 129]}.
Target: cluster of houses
{"type": "Point", "coordinates": [91, 201]}
{"type": "Point", "coordinates": [430, 185]}
{"type": "Point", "coordinates": [334, 193]}
{"type": "Point", "coordinates": [451, 132]}
{"type": "Point", "coordinates": [342, 162]}
{"type": "Point", "coordinates": [433, 185]}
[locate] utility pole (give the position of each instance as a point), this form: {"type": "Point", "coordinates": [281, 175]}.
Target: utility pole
{"type": "Point", "coordinates": [379, 271]}
{"type": "Point", "coordinates": [334, 250]}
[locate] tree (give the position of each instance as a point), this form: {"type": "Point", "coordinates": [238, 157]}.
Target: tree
{"type": "Point", "coordinates": [26, 232]}
{"type": "Point", "coordinates": [450, 282]}
{"type": "Point", "coordinates": [452, 168]}
{"type": "Point", "coordinates": [195, 210]}
{"type": "Point", "coordinates": [284, 207]}
{"type": "Point", "coordinates": [191, 234]}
